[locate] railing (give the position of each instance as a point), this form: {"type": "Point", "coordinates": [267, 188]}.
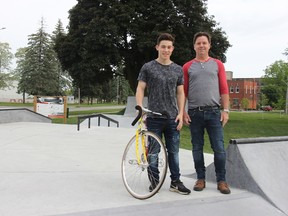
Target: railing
{"type": "Point", "coordinates": [93, 116]}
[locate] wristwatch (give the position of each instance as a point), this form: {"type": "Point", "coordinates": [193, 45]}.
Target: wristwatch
{"type": "Point", "coordinates": [226, 110]}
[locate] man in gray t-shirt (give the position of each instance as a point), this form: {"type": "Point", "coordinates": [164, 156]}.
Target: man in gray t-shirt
{"type": "Point", "coordinates": [164, 82]}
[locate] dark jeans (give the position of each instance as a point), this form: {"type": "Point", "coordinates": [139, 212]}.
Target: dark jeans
{"type": "Point", "coordinates": [210, 120]}
{"type": "Point", "coordinates": [172, 139]}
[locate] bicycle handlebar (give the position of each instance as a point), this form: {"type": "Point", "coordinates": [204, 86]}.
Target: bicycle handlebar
{"type": "Point", "coordinates": [140, 109]}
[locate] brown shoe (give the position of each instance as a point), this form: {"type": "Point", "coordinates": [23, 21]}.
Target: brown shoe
{"type": "Point", "coordinates": [199, 185]}
{"type": "Point", "coordinates": [223, 187]}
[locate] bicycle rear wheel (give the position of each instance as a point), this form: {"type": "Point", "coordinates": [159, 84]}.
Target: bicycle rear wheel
{"type": "Point", "coordinates": [143, 178]}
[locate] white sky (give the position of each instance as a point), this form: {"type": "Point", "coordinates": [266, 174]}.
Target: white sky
{"type": "Point", "coordinates": [257, 29]}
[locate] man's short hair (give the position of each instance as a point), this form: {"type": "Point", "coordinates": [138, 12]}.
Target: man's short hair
{"type": "Point", "coordinates": [165, 36]}
{"type": "Point", "coordinates": [200, 34]}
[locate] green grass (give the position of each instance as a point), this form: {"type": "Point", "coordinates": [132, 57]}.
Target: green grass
{"type": "Point", "coordinates": [16, 104]}
{"type": "Point", "coordinates": [240, 125]}
{"type": "Point", "coordinates": [73, 115]}
{"type": "Point", "coordinates": [245, 125]}
{"type": "Point", "coordinates": [69, 105]}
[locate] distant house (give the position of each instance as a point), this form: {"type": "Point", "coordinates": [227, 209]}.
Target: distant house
{"type": "Point", "coordinates": [10, 95]}
{"type": "Point", "coordinates": [243, 88]}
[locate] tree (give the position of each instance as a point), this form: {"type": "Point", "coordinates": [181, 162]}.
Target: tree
{"type": "Point", "coordinates": [65, 84]}
{"type": "Point", "coordinates": [38, 67]}
{"type": "Point", "coordinates": [182, 18]}
{"type": "Point", "coordinates": [88, 51]}
{"type": "Point", "coordinates": [286, 52]}
{"type": "Point", "coordinates": [5, 61]}
{"type": "Point", "coordinates": [105, 34]}
{"type": "Point", "coordinates": [245, 103]}
{"type": "Point", "coordinates": [275, 84]}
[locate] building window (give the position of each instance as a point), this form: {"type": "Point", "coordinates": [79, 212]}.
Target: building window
{"type": "Point", "coordinates": [231, 89]}
{"type": "Point", "coordinates": [235, 101]}
{"type": "Point", "coordinates": [237, 89]}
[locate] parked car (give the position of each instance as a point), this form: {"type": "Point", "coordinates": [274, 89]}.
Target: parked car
{"type": "Point", "coordinates": [266, 108]}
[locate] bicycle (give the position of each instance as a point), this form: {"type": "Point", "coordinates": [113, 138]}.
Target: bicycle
{"type": "Point", "coordinates": [144, 162]}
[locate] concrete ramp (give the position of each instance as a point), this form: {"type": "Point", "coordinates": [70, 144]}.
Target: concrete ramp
{"type": "Point", "coordinates": [131, 103]}
{"type": "Point", "coordinates": [259, 165]}
{"type": "Point", "coordinates": [123, 120]}
{"type": "Point", "coordinates": [21, 115]}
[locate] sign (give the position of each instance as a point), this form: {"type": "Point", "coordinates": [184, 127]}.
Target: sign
{"type": "Point", "coordinates": [51, 106]}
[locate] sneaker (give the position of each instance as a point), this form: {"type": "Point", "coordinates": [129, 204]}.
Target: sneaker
{"type": "Point", "coordinates": [152, 187]}
{"type": "Point", "coordinates": [177, 186]}
{"type": "Point", "coordinates": [223, 187]}
{"type": "Point", "coordinates": [199, 185]}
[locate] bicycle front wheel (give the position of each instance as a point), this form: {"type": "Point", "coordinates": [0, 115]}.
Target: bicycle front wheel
{"type": "Point", "coordinates": [144, 169]}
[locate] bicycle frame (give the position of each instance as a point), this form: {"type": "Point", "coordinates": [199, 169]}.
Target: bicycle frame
{"type": "Point", "coordinates": [138, 131]}
{"type": "Point", "coordinates": [142, 112]}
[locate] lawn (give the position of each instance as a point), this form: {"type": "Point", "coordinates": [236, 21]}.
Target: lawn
{"type": "Point", "coordinates": [240, 125]}
{"type": "Point", "coordinates": [245, 125]}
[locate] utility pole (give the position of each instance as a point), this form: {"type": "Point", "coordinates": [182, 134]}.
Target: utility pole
{"type": "Point", "coordinates": [79, 95]}
{"type": "Point", "coordinates": [286, 108]}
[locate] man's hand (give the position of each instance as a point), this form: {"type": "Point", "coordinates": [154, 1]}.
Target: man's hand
{"type": "Point", "coordinates": [179, 119]}
{"type": "Point", "coordinates": [186, 118]}
{"type": "Point", "coordinates": [224, 118]}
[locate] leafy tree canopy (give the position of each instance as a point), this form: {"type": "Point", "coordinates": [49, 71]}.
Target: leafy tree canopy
{"type": "Point", "coordinates": [5, 61]}
{"type": "Point", "coordinates": [107, 34]}
{"type": "Point", "coordinates": [275, 83]}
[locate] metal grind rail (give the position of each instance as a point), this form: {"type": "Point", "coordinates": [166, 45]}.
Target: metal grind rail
{"type": "Point", "coordinates": [99, 116]}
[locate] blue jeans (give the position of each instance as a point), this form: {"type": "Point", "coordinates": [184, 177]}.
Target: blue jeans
{"type": "Point", "coordinates": [172, 139]}
{"type": "Point", "coordinates": [210, 120]}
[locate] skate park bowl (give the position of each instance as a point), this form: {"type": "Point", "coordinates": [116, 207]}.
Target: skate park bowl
{"type": "Point", "coordinates": [258, 165]}
{"type": "Point", "coordinates": [53, 169]}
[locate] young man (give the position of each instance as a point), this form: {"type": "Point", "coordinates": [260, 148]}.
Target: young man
{"type": "Point", "coordinates": [164, 81]}
{"type": "Point", "coordinates": [206, 88]}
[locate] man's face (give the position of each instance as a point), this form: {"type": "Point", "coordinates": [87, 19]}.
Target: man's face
{"type": "Point", "coordinates": [165, 49]}
{"type": "Point", "coordinates": [202, 45]}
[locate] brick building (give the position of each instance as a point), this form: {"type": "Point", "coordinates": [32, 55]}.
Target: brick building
{"type": "Point", "coordinates": [240, 88]}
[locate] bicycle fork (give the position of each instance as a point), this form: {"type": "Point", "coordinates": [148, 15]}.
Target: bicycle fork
{"type": "Point", "coordinates": [141, 155]}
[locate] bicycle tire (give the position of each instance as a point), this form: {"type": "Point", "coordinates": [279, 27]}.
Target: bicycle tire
{"type": "Point", "coordinates": [137, 177]}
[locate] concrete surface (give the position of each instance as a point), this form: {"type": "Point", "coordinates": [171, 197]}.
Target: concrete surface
{"type": "Point", "coordinates": [130, 107]}
{"type": "Point", "coordinates": [264, 170]}
{"type": "Point", "coordinates": [51, 169]}
{"type": "Point", "coordinates": [8, 115]}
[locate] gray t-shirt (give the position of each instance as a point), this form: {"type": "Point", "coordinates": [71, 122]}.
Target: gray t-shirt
{"type": "Point", "coordinates": [162, 82]}
{"type": "Point", "coordinates": [203, 82]}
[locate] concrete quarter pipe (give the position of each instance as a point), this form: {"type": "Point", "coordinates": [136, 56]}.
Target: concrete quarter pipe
{"type": "Point", "coordinates": [259, 165]}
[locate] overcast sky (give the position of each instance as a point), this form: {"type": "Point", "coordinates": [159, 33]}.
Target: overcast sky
{"type": "Point", "coordinates": [257, 29]}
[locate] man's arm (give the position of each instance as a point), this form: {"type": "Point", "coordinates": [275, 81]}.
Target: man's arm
{"type": "Point", "coordinates": [225, 105]}
{"type": "Point", "coordinates": [225, 101]}
{"type": "Point", "coordinates": [223, 89]}
{"type": "Point", "coordinates": [140, 92]}
{"type": "Point", "coordinates": [180, 103]}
